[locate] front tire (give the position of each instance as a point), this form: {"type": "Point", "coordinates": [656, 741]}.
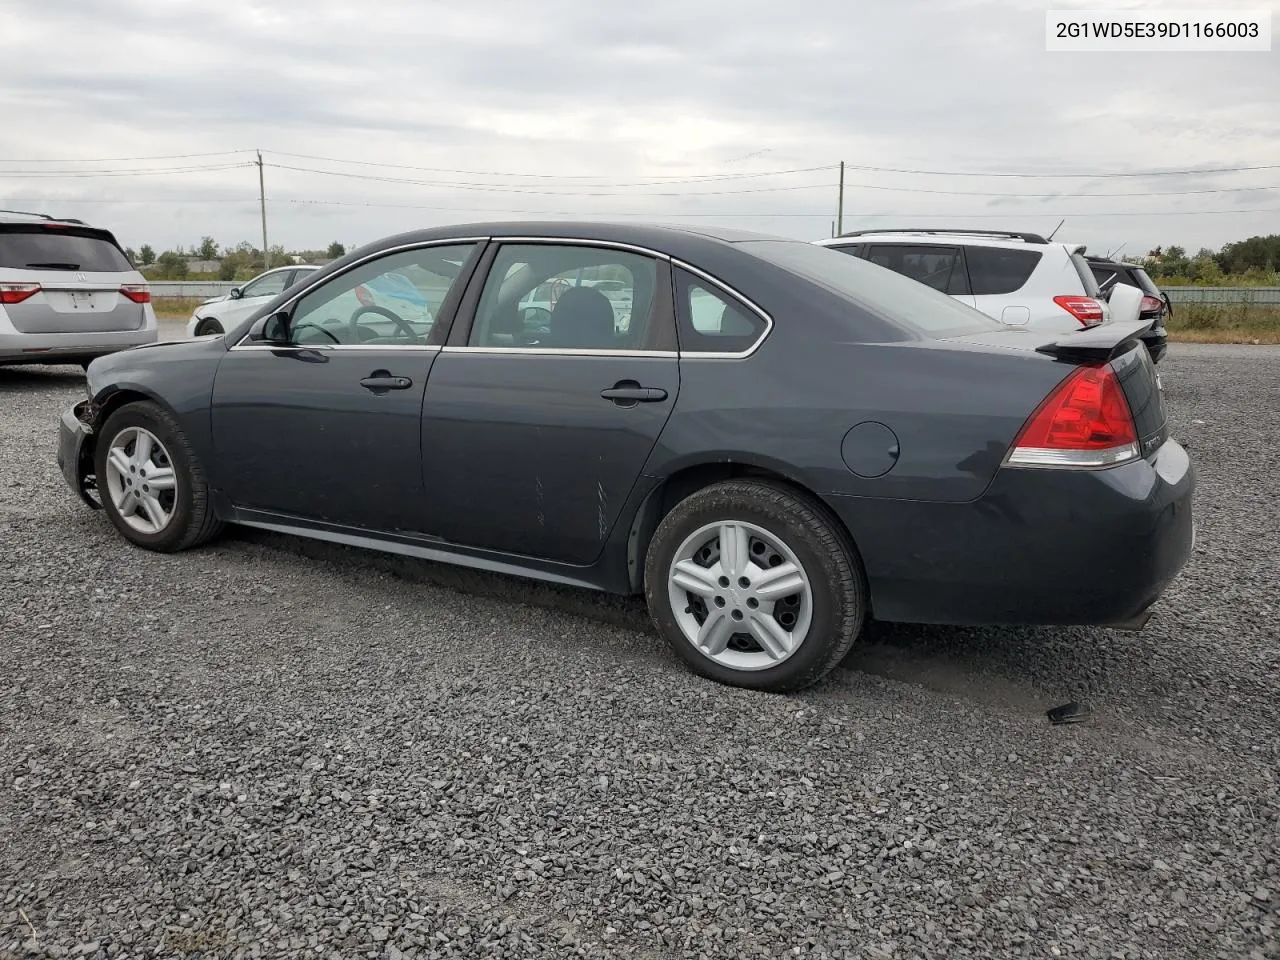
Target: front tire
{"type": "Point", "coordinates": [753, 585]}
{"type": "Point", "coordinates": [150, 482]}
{"type": "Point", "coordinates": [209, 326]}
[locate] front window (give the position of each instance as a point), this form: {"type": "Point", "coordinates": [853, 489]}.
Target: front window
{"type": "Point", "coordinates": [267, 285]}
{"type": "Point", "coordinates": [391, 301]}
{"type": "Point", "coordinates": [897, 299]}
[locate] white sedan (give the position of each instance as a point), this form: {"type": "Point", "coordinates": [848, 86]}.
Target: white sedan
{"type": "Point", "coordinates": [221, 313]}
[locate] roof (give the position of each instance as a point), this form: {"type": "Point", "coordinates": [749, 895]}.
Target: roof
{"type": "Point", "coordinates": [1002, 235]}
{"type": "Point", "coordinates": [678, 240]}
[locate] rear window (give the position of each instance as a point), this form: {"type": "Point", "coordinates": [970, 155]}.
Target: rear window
{"type": "Point", "coordinates": [898, 299]}
{"type": "Point", "coordinates": [994, 270]}
{"type": "Point", "coordinates": [1085, 272]}
{"type": "Point", "coordinates": [40, 248]}
{"type": "Point", "coordinates": [1145, 282]}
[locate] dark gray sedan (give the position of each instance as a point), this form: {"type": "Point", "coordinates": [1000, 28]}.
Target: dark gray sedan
{"type": "Point", "coordinates": [770, 440]}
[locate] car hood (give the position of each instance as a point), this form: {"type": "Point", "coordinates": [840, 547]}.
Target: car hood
{"type": "Point", "coordinates": [205, 303]}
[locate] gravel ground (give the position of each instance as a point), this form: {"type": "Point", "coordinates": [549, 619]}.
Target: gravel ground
{"type": "Point", "coordinates": [275, 748]}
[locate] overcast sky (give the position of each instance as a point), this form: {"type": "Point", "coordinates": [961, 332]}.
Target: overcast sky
{"type": "Point", "coordinates": [518, 108]}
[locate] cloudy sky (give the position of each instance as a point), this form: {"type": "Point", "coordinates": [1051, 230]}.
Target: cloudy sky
{"type": "Point", "coordinates": [380, 116]}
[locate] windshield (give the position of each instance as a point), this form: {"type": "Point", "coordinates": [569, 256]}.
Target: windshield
{"type": "Point", "coordinates": [41, 248]}
{"type": "Point", "coordinates": [900, 300]}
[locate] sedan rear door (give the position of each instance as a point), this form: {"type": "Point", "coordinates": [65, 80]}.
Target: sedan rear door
{"type": "Point", "coordinates": [537, 422]}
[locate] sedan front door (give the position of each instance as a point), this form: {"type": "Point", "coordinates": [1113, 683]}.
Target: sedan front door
{"type": "Point", "coordinates": [324, 425]}
{"type": "Point", "coordinates": [540, 413]}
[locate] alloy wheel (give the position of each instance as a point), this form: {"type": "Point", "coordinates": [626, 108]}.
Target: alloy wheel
{"type": "Point", "coordinates": [141, 481]}
{"type": "Point", "coordinates": [740, 595]}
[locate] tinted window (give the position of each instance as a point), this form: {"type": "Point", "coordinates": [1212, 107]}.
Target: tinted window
{"type": "Point", "coordinates": [891, 296]}
{"type": "Point", "coordinates": [1145, 283]}
{"type": "Point", "coordinates": [710, 321]}
{"type": "Point", "coordinates": [995, 270]}
{"type": "Point", "coordinates": [1086, 274]}
{"type": "Point", "coordinates": [266, 286]}
{"type": "Point", "coordinates": [934, 266]}
{"type": "Point", "coordinates": [39, 248]}
{"type": "Point", "coordinates": [390, 301]}
{"type": "Point", "coordinates": [568, 297]}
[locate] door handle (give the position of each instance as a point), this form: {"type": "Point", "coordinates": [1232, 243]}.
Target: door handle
{"type": "Point", "coordinates": [626, 394]}
{"type": "Point", "coordinates": [382, 381]}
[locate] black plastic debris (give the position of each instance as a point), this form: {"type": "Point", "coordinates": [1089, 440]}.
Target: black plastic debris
{"type": "Point", "coordinates": [1072, 712]}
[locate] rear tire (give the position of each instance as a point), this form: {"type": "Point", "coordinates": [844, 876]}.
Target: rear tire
{"type": "Point", "coordinates": [754, 585]}
{"type": "Point", "coordinates": [150, 482]}
{"type": "Point", "coordinates": [209, 326]}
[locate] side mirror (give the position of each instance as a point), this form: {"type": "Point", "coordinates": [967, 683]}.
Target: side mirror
{"type": "Point", "coordinates": [275, 329]}
{"type": "Point", "coordinates": [234, 293]}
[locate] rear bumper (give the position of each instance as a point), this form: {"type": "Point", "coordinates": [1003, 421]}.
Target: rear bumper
{"type": "Point", "coordinates": [1039, 547]}
{"type": "Point", "coordinates": [75, 452]}
{"type": "Point", "coordinates": [1157, 341]}
{"type": "Point", "coordinates": [68, 347]}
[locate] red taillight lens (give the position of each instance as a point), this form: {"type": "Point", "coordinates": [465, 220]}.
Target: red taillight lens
{"type": "Point", "coordinates": [1085, 422]}
{"type": "Point", "coordinates": [137, 292]}
{"type": "Point", "coordinates": [11, 293]}
{"type": "Point", "coordinates": [1151, 303]}
{"type": "Point", "coordinates": [1085, 309]}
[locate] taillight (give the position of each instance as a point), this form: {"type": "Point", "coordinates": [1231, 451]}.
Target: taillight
{"type": "Point", "coordinates": [1085, 422]}
{"type": "Point", "coordinates": [11, 293]}
{"type": "Point", "coordinates": [137, 292]}
{"type": "Point", "coordinates": [1149, 304]}
{"type": "Point", "coordinates": [1085, 309]}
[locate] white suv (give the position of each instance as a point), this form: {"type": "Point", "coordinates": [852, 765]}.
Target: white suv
{"type": "Point", "coordinates": [1020, 279]}
{"type": "Point", "coordinates": [220, 314]}
{"type": "Point", "coordinates": [67, 292]}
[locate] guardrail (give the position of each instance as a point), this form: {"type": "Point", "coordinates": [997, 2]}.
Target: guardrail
{"type": "Point", "coordinates": [190, 288]}
{"type": "Point", "coordinates": [1224, 295]}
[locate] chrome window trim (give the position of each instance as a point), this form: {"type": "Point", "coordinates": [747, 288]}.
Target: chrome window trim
{"type": "Point", "coordinates": [646, 251]}
{"type": "Point", "coordinates": [745, 301]}
{"type": "Point", "coordinates": [292, 301]}
{"type": "Point", "coordinates": [537, 351]}
{"type": "Point", "coordinates": [327, 347]}
{"type": "Point", "coordinates": [564, 352]}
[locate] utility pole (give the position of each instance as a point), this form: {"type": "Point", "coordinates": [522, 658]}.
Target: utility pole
{"type": "Point", "coordinates": [262, 201]}
{"type": "Point", "coordinates": [840, 205]}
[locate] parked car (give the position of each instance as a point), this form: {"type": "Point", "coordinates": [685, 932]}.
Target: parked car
{"type": "Point", "coordinates": [1156, 306]}
{"type": "Point", "coordinates": [1020, 279]}
{"type": "Point", "coordinates": [68, 293]}
{"type": "Point", "coordinates": [219, 314]}
{"type": "Point", "coordinates": [784, 441]}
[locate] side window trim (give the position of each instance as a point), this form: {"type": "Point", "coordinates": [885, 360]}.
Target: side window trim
{"type": "Point", "coordinates": [663, 307]}
{"type": "Point", "coordinates": [729, 292]}
{"type": "Point", "coordinates": [445, 317]}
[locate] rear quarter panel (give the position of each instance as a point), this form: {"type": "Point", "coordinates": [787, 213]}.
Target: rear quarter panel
{"type": "Point", "coordinates": [954, 410]}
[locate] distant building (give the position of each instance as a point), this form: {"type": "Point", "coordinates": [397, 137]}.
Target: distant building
{"type": "Point", "coordinates": [204, 266]}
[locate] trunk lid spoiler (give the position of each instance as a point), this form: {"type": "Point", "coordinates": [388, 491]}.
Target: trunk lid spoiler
{"type": "Point", "coordinates": [1103, 342]}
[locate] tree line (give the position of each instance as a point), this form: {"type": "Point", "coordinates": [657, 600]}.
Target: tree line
{"type": "Point", "coordinates": [244, 261]}
{"type": "Point", "coordinates": [1244, 263]}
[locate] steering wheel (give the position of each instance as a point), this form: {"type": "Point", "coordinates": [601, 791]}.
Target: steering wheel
{"type": "Point", "coordinates": [316, 326]}
{"type": "Point", "coordinates": [401, 324]}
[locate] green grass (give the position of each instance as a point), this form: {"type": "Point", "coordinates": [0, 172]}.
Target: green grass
{"type": "Point", "coordinates": [1224, 323]}
{"type": "Point", "coordinates": [175, 308]}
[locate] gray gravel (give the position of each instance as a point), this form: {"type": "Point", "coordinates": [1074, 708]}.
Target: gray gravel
{"type": "Point", "coordinates": [274, 748]}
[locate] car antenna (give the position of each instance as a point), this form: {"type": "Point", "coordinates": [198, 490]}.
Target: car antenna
{"type": "Point", "coordinates": [1057, 228]}
{"type": "Point", "coordinates": [1112, 256]}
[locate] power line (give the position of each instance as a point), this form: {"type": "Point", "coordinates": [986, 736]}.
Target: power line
{"type": "Point", "coordinates": [1067, 176]}
{"type": "Point", "coordinates": [173, 156]}
{"type": "Point", "coordinates": [653, 180]}
{"type": "Point", "coordinates": [93, 174]}
{"type": "Point", "coordinates": [499, 188]}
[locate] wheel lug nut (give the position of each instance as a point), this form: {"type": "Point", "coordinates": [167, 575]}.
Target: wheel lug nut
{"type": "Point", "coordinates": [744, 582]}
{"type": "Point", "coordinates": [737, 614]}
{"type": "Point", "coordinates": [724, 581]}
{"type": "Point", "coordinates": [753, 603]}
{"type": "Point", "coordinates": [719, 601]}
